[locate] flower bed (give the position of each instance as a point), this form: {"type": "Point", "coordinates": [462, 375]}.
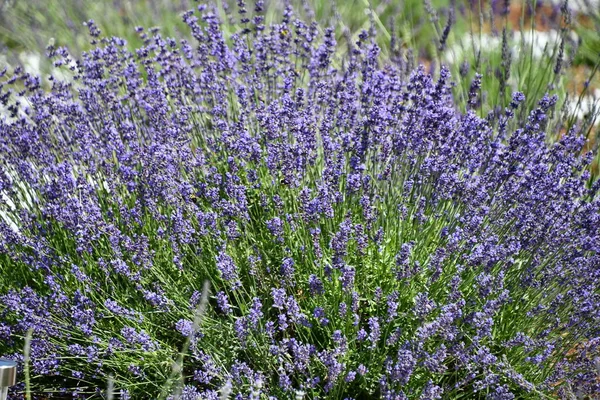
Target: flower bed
{"type": "Point", "coordinates": [253, 216]}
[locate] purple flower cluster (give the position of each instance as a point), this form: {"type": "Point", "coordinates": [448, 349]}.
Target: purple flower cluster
{"type": "Point", "coordinates": [296, 180]}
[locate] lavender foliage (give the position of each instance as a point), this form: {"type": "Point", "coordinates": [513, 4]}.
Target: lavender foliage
{"type": "Point", "coordinates": [297, 181]}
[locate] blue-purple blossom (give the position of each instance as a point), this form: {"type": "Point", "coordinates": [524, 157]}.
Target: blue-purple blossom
{"type": "Point", "coordinates": [315, 284]}
{"type": "Point", "coordinates": [228, 269]}
{"type": "Point", "coordinates": [223, 303]}
{"type": "Point", "coordinates": [319, 314]}
{"type": "Point", "coordinates": [279, 298]}
{"type": "Point", "coordinates": [374, 331]}
{"type": "Point", "coordinates": [184, 327]}
{"type": "Point", "coordinates": [287, 269]}
{"type": "Point", "coordinates": [357, 231]}
{"type": "Point", "coordinates": [275, 226]}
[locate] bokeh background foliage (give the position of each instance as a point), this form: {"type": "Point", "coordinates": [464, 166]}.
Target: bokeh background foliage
{"type": "Point", "coordinates": [466, 35]}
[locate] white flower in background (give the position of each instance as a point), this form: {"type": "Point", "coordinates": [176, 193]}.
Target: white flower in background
{"type": "Point", "coordinates": [537, 43]}
{"type": "Point", "coordinates": [31, 62]}
{"type": "Point", "coordinates": [589, 103]}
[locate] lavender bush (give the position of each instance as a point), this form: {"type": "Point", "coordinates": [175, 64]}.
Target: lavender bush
{"type": "Point", "coordinates": [362, 237]}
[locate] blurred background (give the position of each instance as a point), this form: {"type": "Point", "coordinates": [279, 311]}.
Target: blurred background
{"type": "Point", "coordinates": [531, 46]}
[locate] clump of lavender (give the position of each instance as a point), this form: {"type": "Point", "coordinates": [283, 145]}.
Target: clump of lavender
{"type": "Point", "coordinates": [362, 238]}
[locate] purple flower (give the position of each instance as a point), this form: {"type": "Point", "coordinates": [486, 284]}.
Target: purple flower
{"type": "Point", "coordinates": [362, 370]}
{"type": "Point", "coordinates": [423, 305]}
{"type": "Point", "coordinates": [361, 335]}
{"type": "Point", "coordinates": [374, 331]}
{"type": "Point", "coordinates": [355, 301]}
{"type": "Point", "coordinates": [287, 269]}
{"type": "Point", "coordinates": [392, 304]}
{"type": "Point", "coordinates": [350, 376]}
{"type": "Point", "coordinates": [347, 277]}
{"type": "Point", "coordinates": [241, 329]}
{"type": "Point", "coordinates": [133, 337]}
{"type": "Point", "coordinates": [339, 243]}
{"type": "Point", "coordinates": [319, 314]}
{"type": "Point", "coordinates": [275, 226]}
{"type": "Point", "coordinates": [255, 312]}
{"type": "Point", "coordinates": [223, 303]}
{"type": "Point", "coordinates": [135, 370]}
{"type": "Point", "coordinates": [342, 309]}
{"type": "Point", "coordinates": [338, 202]}
{"type": "Point", "coordinates": [378, 294]}
{"type": "Point", "coordinates": [114, 307]}
{"type": "Point", "coordinates": [315, 284]}
{"type": "Point", "coordinates": [279, 298]}
{"type": "Point", "coordinates": [403, 368]}
{"type": "Point", "coordinates": [431, 392]}
{"type": "Point", "coordinates": [184, 327]}
{"type": "Point", "coordinates": [228, 270]}
{"type": "Point", "coordinates": [501, 392]}
{"type": "Point", "coordinates": [403, 269]}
